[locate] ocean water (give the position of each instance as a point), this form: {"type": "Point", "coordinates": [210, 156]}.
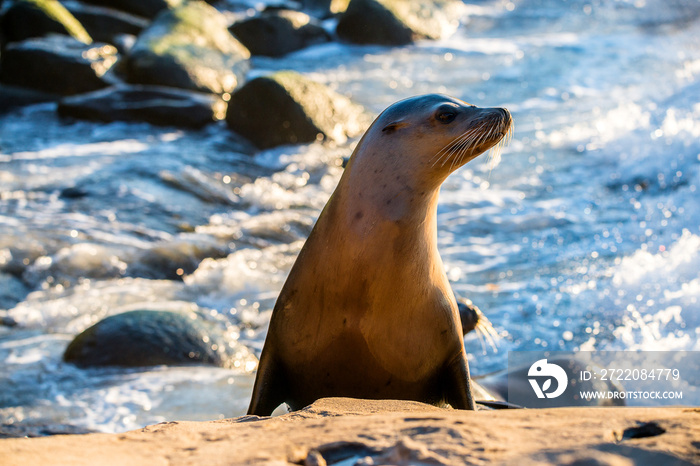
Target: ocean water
{"type": "Point", "coordinates": [586, 236]}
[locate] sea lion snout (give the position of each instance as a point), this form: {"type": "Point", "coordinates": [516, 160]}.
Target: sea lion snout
{"type": "Point", "coordinates": [506, 120]}
{"type": "Point", "coordinates": [507, 117]}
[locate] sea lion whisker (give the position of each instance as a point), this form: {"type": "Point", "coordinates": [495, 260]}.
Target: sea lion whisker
{"type": "Point", "coordinates": [489, 333]}
{"type": "Point", "coordinates": [447, 149]}
{"type": "Point", "coordinates": [480, 140]}
{"type": "Point", "coordinates": [475, 141]}
{"type": "Point", "coordinates": [492, 331]}
{"type": "Point", "coordinates": [453, 146]}
{"type": "Point", "coordinates": [496, 151]}
{"type": "Point", "coordinates": [471, 130]}
{"type": "Point", "coordinates": [473, 133]}
{"type": "Point", "coordinates": [462, 150]}
{"type": "Point", "coordinates": [458, 140]}
{"type": "Point", "coordinates": [458, 149]}
{"type": "Point", "coordinates": [468, 144]}
{"type": "Point", "coordinates": [480, 337]}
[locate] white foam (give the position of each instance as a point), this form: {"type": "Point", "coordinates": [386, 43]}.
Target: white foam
{"type": "Point", "coordinates": [661, 295]}
{"type": "Point", "coordinates": [75, 308]}
{"type": "Point", "coordinates": [82, 150]}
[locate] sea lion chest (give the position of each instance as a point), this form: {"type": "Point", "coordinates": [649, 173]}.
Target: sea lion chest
{"type": "Point", "coordinates": [378, 314]}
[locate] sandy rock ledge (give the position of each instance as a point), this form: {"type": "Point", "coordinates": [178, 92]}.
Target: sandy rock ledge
{"type": "Point", "coordinates": [389, 432]}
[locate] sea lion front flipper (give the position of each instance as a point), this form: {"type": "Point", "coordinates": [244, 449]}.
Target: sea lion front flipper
{"type": "Point", "coordinates": [457, 384]}
{"type": "Point", "coordinates": [268, 391]}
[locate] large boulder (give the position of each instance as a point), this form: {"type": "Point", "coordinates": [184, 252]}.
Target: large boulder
{"type": "Point", "coordinates": [189, 47]}
{"type": "Point", "coordinates": [287, 108]}
{"type": "Point", "coordinates": [279, 32]}
{"type": "Point", "coordinates": [145, 8]}
{"type": "Point", "coordinates": [25, 19]}
{"type": "Point", "coordinates": [150, 338]}
{"type": "Point", "coordinates": [397, 22]}
{"type": "Point", "coordinates": [153, 104]}
{"type": "Point", "coordinates": [57, 64]}
{"type": "Point", "coordinates": [106, 24]}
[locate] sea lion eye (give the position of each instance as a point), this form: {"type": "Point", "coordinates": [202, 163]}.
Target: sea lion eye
{"type": "Point", "coordinates": [446, 116]}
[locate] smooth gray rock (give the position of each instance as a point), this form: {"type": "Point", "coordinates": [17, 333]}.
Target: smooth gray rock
{"type": "Point", "coordinates": [287, 108]}
{"type": "Point", "coordinates": [173, 260]}
{"type": "Point", "coordinates": [150, 338]}
{"type": "Point", "coordinates": [277, 33]}
{"type": "Point", "coordinates": [57, 64]}
{"type": "Point", "coordinates": [146, 8]}
{"type": "Point", "coordinates": [106, 24]}
{"type": "Point", "coordinates": [189, 47]}
{"type": "Point", "coordinates": [325, 8]}
{"type": "Point", "coordinates": [397, 22]}
{"type": "Point", "coordinates": [153, 104]}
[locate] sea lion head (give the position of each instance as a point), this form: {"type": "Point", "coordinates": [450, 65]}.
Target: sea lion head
{"type": "Point", "coordinates": [428, 137]}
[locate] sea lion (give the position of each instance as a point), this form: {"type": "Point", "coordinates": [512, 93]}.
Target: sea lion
{"type": "Point", "coordinates": [367, 310]}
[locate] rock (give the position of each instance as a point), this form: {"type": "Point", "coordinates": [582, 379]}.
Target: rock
{"type": "Point", "coordinates": [324, 8]}
{"type": "Point", "coordinates": [12, 291]}
{"type": "Point", "coordinates": [25, 19]}
{"type": "Point", "coordinates": [153, 104]}
{"type": "Point", "coordinates": [189, 47]}
{"type": "Point", "coordinates": [57, 64]}
{"type": "Point", "coordinates": [277, 33]}
{"type": "Point", "coordinates": [151, 338]}
{"type": "Point", "coordinates": [73, 192]}
{"type": "Point", "coordinates": [171, 261]}
{"type": "Point", "coordinates": [397, 22]}
{"type": "Point", "coordinates": [16, 253]}
{"type": "Point", "coordinates": [287, 108]}
{"type": "Point", "coordinates": [12, 97]}
{"type": "Point", "coordinates": [6, 320]}
{"type": "Point", "coordinates": [73, 263]}
{"type": "Point", "coordinates": [106, 24]}
{"type": "Point", "coordinates": [145, 8]}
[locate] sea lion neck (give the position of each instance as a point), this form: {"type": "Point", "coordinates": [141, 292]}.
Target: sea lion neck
{"type": "Point", "coordinates": [376, 197]}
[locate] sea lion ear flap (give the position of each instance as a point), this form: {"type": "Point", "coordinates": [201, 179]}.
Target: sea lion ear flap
{"type": "Point", "coordinates": [393, 126]}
